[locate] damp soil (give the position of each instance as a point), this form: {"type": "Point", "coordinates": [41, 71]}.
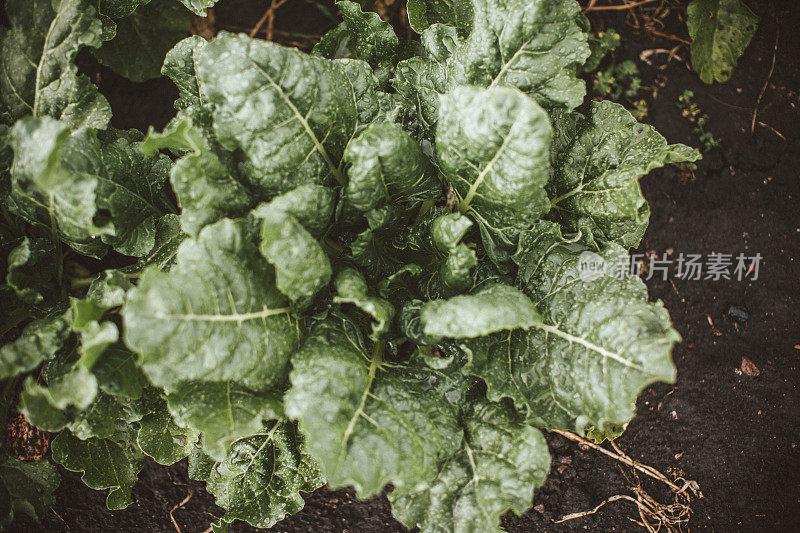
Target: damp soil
{"type": "Point", "coordinates": [735, 433]}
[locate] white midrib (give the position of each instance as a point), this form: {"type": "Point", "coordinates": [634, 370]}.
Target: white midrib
{"type": "Point", "coordinates": [321, 149]}
{"type": "Point", "coordinates": [590, 346]}
{"type": "Point", "coordinates": [473, 190]}
{"type": "Point", "coordinates": [36, 86]}
{"type": "Point", "coordinates": [377, 360]}
{"type": "Point", "coordinates": [238, 317]}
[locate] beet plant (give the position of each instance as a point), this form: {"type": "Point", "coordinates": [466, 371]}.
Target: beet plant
{"type": "Point", "coordinates": [361, 266]}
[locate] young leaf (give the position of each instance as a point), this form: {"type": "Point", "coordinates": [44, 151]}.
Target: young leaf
{"type": "Point", "coordinates": [262, 476]}
{"type": "Point", "coordinates": [222, 412]}
{"type": "Point", "coordinates": [368, 423]}
{"type": "Point", "coordinates": [501, 461]}
{"type": "Point", "coordinates": [351, 288]}
{"type": "Point", "coordinates": [36, 57]}
{"type": "Point", "coordinates": [199, 7]}
{"type": "Point", "coordinates": [310, 205]}
{"type": "Point", "coordinates": [143, 38]}
{"type": "Point", "coordinates": [388, 166]}
{"type": "Point", "coordinates": [106, 463]}
{"type": "Point", "coordinates": [215, 316]}
{"type": "Point", "coordinates": [597, 163]}
{"type": "Point", "coordinates": [493, 147]}
{"type": "Point", "coordinates": [493, 308]}
{"type": "Point", "coordinates": [301, 266]}
{"type": "Point", "coordinates": [371, 39]}
{"type": "Point", "coordinates": [720, 32]}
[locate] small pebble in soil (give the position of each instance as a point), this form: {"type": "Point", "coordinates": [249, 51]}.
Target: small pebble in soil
{"type": "Point", "coordinates": [738, 314]}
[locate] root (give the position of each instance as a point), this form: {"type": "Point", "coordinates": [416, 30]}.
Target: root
{"type": "Point", "coordinates": [653, 515]}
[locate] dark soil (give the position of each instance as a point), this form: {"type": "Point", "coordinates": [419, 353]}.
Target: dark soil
{"type": "Point", "coordinates": [737, 435]}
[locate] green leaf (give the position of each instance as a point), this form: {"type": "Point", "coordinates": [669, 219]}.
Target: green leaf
{"type": "Point", "coordinates": [40, 340]}
{"type": "Point", "coordinates": [536, 46]}
{"type": "Point", "coordinates": [494, 308]}
{"type": "Point", "coordinates": [597, 161]}
{"type": "Point", "coordinates": [29, 487]}
{"type": "Point", "coordinates": [369, 423]}
{"type": "Point", "coordinates": [493, 147]}
{"type": "Point", "coordinates": [222, 412]}
{"type": "Point", "coordinates": [179, 66]}
{"type": "Point", "coordinates": [371, 39]}
{"type": "Point", "coordinates": [351, 288]}
{"type": "Point", "coordinates": [199, 7]}
{"type": "Point", "coordinates": [32, 272]}
{"type": "Point", "coordinates": [160, 438]}
{"type": "Point", "coordinates": [387, 165]}
{"type": "Point", "coordinates": [422, 14]}
{"type": "Point", "coordinates": [169, 236]}
{"type": "Point", "coordinates": [310, 205]}
{"type": "Point", "coordinates": [290, 113]}
{"type": "Point", "coordinates": [601, 342]}
{"type": "Point", "coordinates": [36, 56]}
{"type": "Point", "coordinates": [301, 266]}
{"type": "Point", "coordinates": [501, 461]}
{"type": "Point", "coordinates": [204, 180]}
{"type": "Point", "coordinates": [262, 476]}
{"type": "Point", "coordinates": [720, 32]}
{"type": "Point", "coordinates": [117, 372]}
{"type": "Point", "coordinates": [84, 186]}
{"type": "Point", "coordinates": [215, 316]}
{"type": "Point", "coordinates": [46, 407]}
{"type": "Point", "coordinates": [106, 463]}
{"type": "Point", "coordinates": [143, 39]}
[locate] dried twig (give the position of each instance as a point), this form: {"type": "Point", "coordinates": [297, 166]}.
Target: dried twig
{"type": "Point", "coordinates": [174, 508]}
{"type": "Point", "coordinates": [766, 83]}
{"type": "Point", "coordinates": [268, 19]}
{"type": "Point", "coordinates": [592, 7]}
{"type": "Point", "coordinates": [623, 458]}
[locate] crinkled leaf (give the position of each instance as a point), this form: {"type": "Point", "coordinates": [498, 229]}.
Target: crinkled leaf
{"type": "Point", "coordinates": [207, 186]}
{"type": "Point", "coordinates": [87, 189]}
{"type": "Point", "coordinates": [501, 461]}
{"type": "Point", "coordinates": [601, 342]}
{"type": "Point", "coordinates": [536, 46]}
{"type": "Point", "coordinates": [371, 39]}
{"type": "Point", "coordinates": [36, 57]}
{"type": "Point", "coordinates": [387, 165]}
{"type": "Point", "coordinates": [291, 114]}
{"type": "Point", "coordinates": [720, 32]}
{"type": "Point", "coordinates": [32, 271]}
{"type": "Point", "coordinates": [310, 205]}
{"type": "Point", "coordinates": [493, 147]}
{"type": "Point", "coordinates": [422, 14]}
{"type": "Point", "coordinates": [215, 316]}
{"type": "Point", "coordinates": [262, 476]}
{"type": "Point", "coordinates": [40, 340]}
{"type": "Point", "coordinates": [222, 412]}
{"type": "Point", "coordinates": [29, 488]}
{"type": "Point", "coordinates": [367, 423]}
{"type": "Point", "coordinates": [169, 236]}
{"type": "Point", "coordinates": [46, 407]}
{"type": "Point", "coordinates": [143, 38]}
{"type": "Point", "coordinates": [493, 308]}
{"type": "Point", "coordinates": [597, 161]}
{"type": "Point", "coordinates": [106, 463]}
{"type": "Point", "coordinates": [301, 266]}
